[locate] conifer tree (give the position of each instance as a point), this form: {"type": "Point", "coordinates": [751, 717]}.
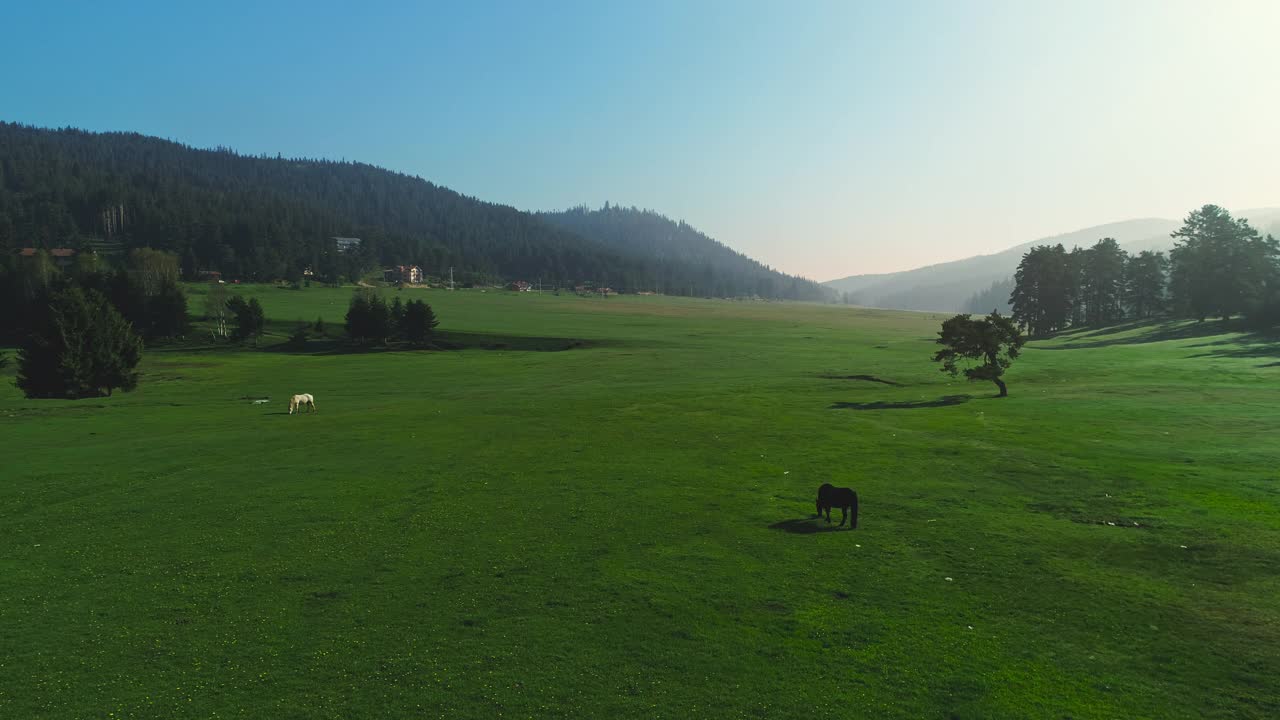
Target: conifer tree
{"type": "Point", "coordinates": [357, 319]}
{"type": "Point", "coordinates": [1102, 282]}
{"type": "Point", "coordinates": [79, 346]}
{"type": "Point", "coordinates": [1044, 290]}
{"type": "Point", "coordinates": [1220, 265]}
{"type": "Point", "coordinates": [397, 317]}
{"type": "Point", "coordinates": [419, 322]}
{"type": "Point", "coordinates": [1144, 283]}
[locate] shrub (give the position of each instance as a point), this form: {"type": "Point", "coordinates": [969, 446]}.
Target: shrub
{"type": "Point", "coordinates": [298, 339]}
{"type": "Point", "coordinates": [249, 316]}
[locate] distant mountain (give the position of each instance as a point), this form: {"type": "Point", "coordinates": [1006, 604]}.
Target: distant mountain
{"type": "Point", "coordinates": [265, 218]}
{"type": "Point", "coordinates": [678, 258]}
{"type": "Point", "coordinates": [951, 286]}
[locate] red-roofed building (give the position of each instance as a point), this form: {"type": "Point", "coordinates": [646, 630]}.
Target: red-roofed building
{"type": "Point", "coordinates": [411, 274]}
{"type": "Point", "coordinates": [62, 257]}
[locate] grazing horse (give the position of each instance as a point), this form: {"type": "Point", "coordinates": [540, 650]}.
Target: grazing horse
{"type": "Point", "coordinates": [846, 499]}
{"type": "Point", "coordinates": [297, 402]}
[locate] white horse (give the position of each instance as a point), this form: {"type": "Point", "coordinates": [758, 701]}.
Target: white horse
{"type": "Point", "coordinates": [297, 402]}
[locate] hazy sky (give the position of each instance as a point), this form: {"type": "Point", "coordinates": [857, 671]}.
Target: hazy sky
{"type": "Point", "coordinates": [826, 139]}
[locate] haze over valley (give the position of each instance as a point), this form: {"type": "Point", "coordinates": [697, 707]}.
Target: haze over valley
{"type": "Point", "coordinates": [959, 285]}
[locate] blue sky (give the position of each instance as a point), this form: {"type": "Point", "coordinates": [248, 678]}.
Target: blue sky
{"type": "Point", "coordinates": [824, 138]}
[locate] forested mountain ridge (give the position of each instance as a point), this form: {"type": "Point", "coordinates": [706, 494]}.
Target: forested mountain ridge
{"type": "Point", "coordinates": [679, 257]}
{"type": "Point", "coordinates": [263, 218]}
{"type": "Point", "coordinates": [258, 217]}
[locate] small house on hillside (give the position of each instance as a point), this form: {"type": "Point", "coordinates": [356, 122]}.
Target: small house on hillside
{"type": "Point", "coordinates": [520, 286]}
{"type": "Point", "coordinates": [347, 244]}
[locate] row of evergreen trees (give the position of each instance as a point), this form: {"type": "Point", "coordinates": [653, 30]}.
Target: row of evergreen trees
{"type": "Point", "coordinates": [1219, 267]}
{"type": "Point", "coordinates": [370, 319]}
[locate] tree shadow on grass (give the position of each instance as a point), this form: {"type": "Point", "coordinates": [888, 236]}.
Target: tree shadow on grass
{"type": "Point", "coordinates": [1112, 329]}
{"type": "Point", "coordinates": [1243, 343]}
{"type": "Point", "coordinates": [1253, 345]}
{"type": "Point", "coordinates": [906, 405]}
{"type": "Point", "coordinates": [806, 526]}
{"type": "Point", "coordinates": [1159, 331]}
{"type": "Point", "coordinates": [865, 378]}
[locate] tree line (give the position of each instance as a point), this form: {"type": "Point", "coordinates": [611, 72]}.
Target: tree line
{"type": "Point", "coordinates": [268, 218]}
{"type": "Point", "coordinates": [370, 319]}
{"type": "Point", "coordinates": [81, 332]}
{"type": "Point", "coordinates": [144, 290]}
{"type": "Point", "coordinates": [1219, 267]}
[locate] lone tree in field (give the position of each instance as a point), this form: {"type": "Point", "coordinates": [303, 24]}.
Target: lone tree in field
{"type": "Point", "coordinates": [79, 346]}
{"type": "Point", "coordinates": [992, 342]}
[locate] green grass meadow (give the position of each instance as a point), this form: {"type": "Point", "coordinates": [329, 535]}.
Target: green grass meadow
{"type": "Point", "coordinates": [623, 528]}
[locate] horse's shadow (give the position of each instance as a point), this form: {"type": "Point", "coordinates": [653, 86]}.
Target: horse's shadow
{"type": "Point", "coordinates": [805, 526]}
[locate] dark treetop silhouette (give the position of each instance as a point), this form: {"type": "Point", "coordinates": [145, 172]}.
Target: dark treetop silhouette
{"type": "Point", "coordinates": [993, 341]}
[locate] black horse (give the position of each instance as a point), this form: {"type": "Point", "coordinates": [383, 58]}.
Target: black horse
{"type": "Point", "coordinates": [846, 499]}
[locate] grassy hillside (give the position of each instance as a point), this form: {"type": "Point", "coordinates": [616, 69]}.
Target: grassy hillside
{"type": "Point", "coordinates": [623, 529]}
